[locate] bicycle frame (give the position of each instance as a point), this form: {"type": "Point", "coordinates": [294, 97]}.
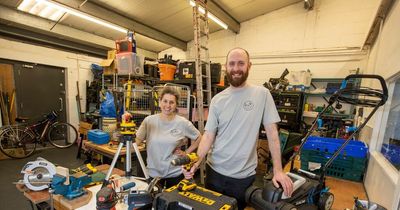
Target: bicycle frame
{"type": "Point", "coordinates": [19, 141]}
{"type": "Point", "coordinates": [50, 119]}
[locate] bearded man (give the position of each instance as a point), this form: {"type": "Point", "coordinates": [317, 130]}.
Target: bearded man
{"type": "Point", "coordinates": [231, 133]}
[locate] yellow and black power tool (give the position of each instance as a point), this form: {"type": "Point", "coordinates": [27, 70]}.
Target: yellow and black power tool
{"type": "Point", "coordinates": [127, 125]}
{"type": "Point", "coordinates": [87, 169]}
{"type": "Point", "coordinates": [187, 161]}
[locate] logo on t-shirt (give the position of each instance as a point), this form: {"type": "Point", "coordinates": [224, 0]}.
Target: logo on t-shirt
{"type": "Point", "coordinates": [248, 105]}
{"type": "Point", "coordinates": [175, 132]}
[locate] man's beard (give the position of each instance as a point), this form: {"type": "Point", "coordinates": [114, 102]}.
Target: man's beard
{"type": "Point", "coordinates": [236, 82]}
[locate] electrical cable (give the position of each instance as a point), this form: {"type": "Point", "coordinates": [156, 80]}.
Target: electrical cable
{"type": "Point", "coordinates": [363, 96]}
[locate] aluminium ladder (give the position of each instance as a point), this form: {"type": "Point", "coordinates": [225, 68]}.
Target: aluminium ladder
{"type": "Point", "coordinates": [201, 31]}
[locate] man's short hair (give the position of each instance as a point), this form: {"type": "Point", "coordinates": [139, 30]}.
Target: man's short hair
{"type": "Point", "coordinates": [238, 48]}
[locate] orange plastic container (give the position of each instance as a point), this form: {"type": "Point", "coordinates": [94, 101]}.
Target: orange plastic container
{"type": "Point", "coordinates": [167, 71]}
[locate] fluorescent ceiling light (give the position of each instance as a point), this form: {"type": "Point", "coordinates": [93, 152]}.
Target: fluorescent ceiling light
{"type": "Point", "coordinates": [209, 15]}
{"type": "Point", "coordinates": [53, 11]}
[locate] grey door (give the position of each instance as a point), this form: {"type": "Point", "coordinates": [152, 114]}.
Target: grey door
{"type": "Point", "coordinates": [39, 89]}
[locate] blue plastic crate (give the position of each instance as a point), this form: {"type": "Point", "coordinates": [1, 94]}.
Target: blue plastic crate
{"type": "Point", "coordinates": [331, 145]}
{"type": "Point", "coordinates": [392, 153]}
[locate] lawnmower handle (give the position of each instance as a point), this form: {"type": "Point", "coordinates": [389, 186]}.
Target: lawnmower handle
{"type": "Point", "coordinates": [369, 76]}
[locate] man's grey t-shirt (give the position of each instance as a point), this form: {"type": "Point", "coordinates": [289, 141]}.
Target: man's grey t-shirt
{"type": "Point", "coordinates": [235, 117]}
{"type": "Point", "coordinates": [162, 137]}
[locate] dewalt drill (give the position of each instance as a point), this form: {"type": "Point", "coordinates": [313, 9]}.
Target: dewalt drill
{"type": "Point", "coordinates": [187, 161]}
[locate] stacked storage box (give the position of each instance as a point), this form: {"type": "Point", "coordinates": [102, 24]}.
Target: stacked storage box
{"type": "Point", "coordinates": [98, 136]}
{"type": "Point", "coordinates": [350, 164]}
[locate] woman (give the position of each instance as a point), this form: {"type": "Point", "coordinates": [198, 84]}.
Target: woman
{"type": "Point", "coordinates": [164, 134]}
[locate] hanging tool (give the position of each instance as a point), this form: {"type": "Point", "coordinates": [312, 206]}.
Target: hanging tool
{"type": "Point", "coordinates": [128, 91]}
{"type": "Point", "coordinates": [78, 101]}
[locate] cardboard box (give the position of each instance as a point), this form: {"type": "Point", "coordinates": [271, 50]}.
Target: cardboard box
{"type": "Point", "coordinates": [109, 64]}
{"type": "Point", "coordinates": [264, 156]}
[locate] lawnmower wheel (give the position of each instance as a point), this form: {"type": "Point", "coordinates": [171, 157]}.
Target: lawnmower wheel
{"type": "Point", "coordinates": [326, 201]}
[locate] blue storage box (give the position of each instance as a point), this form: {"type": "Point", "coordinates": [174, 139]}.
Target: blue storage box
{"type": "Point", "coordinates": [331, 145]}
{"type": "Point", "coordinates": [98, 136]}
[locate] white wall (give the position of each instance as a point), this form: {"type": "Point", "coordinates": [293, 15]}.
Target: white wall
{"type": "Point", "coordinates": [382, 180]}
{"type": "Point", "coordinates": [177, 54]}
{"type": "Point", "coordinates": [326, 40]}
{"type": "Point", "coordinates": [146, 53]}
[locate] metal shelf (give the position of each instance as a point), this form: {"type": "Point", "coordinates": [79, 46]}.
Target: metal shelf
{"type": "Point", "coordinates": [325, 97]}
{"type": "Point", "coordinates": [315, 114]}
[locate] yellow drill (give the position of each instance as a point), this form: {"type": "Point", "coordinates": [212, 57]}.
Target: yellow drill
{"type": "Point", "coordinates": [187, 161]}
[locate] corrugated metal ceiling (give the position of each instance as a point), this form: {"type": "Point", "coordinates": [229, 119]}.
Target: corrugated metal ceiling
{"type": "Point", "coordinates": [166, 22]}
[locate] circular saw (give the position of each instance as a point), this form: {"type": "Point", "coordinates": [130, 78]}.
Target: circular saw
{"type": "Point", "coordinates": [38, 174]}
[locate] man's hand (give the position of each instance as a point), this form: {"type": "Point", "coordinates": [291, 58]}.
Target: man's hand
{"type": "Point", "coordinates": [190, 174]}
{"type": "Point", "coordinates": [285, 181]}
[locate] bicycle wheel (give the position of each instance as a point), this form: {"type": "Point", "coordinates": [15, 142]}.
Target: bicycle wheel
{"type": "Point", "coordinates": [16, 142]}
{"type": "Point", "coordinates": [62, 135]}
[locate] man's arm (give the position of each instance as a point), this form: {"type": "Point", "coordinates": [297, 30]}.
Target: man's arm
{"type": "Point", "coordinates": [194, 145]}
{"type": "Point", "coordinates": [274, 147]}
{"type": "Point", "coordinates": [205, 144]}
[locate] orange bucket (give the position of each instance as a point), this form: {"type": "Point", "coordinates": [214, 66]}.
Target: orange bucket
{"type": "Point", "coordinates": [167, 71]}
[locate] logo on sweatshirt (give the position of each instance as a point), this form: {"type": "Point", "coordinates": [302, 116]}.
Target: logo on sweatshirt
{"type": "Point", "coordinates": [248, 105]}
{"type": "Point", "coordinates": [175, 132]}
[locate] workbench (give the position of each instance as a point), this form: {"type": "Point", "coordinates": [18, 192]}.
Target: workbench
{"type": "Point", "coordinates": [61, 203]}
{"type": "Point", "coordinates": [109, 152]}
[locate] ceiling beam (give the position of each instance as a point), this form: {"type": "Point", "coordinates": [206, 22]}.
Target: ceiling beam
{"type": "Point", "coordinates": [19, 25]}
{"type": "Point", "coordinates": [115, 18]}
{"type": "Point", "coordinates": [383, 10]}
{"type": "Point", "coordinates": [15, 18]}
{"type": "Point", "coordinates": [224, 16]}
{"type": "Point", "coordinates": [45, 40]}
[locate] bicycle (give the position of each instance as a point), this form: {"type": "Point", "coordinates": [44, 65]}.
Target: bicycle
{"type": "Point", "coordinates": [20, 140]}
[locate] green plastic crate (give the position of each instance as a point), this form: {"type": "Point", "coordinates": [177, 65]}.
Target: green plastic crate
{"type": "Point", "coordinates": [343, 167]}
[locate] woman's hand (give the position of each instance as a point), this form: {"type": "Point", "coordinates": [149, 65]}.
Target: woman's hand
{"type": "Point", "coordinates": [179, 152]}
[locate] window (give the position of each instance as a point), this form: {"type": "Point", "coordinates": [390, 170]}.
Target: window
{"type": "Point", "coordinates": [391, 140]}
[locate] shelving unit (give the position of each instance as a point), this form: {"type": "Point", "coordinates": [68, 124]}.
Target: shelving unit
{"type": "Point", "coordinates": [332, 121]}
{"type": "Point", "coordinates": [319, 83]}
{"type": "Point", "coordinates": [290, 108]}
{"type": "Point", "coordinates": [191, 83]}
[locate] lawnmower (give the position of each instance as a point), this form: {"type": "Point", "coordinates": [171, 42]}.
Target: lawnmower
{"type": "Point", "coordinates": [309, 189]}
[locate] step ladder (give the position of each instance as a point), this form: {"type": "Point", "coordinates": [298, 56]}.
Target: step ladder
{"type": "Point", "coordinates": [201, 31]}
